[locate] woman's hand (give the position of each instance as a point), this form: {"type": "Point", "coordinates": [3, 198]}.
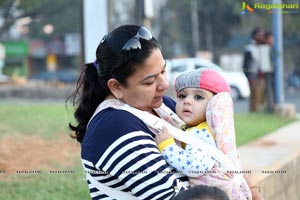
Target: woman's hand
{"type": "Point", "coordinates": [162, 135]}
{"type": "Point", "coordinates": [256, 195]}
{"type": "Point", "coordinates": [255, 190]}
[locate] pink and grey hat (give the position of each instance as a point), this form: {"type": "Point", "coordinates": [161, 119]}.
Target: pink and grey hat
{"type": "Point", "coordinates": [203, 78]}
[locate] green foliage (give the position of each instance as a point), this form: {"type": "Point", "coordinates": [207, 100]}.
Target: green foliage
{"type": "Point", "coordinates": [63, 15]}
{"type": "Point", "coordinates": [175, 33]}
{"type": "Point", "coordinates": [213, 29]}
{"type": "Point", "coordinates": [222, 17]}
{"type": "Point", "coordinates": [218, 22]}
{"type": "Point", "coordinates": [291, 25]}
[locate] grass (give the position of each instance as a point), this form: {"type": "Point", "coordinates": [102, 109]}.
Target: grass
{"type": "Point", "coordinates": [49, 120]}
{"type": "Point", "coordinates": [46, 120]}
{"type": "Point", "coordinates": [46, 186]}
{"type": "Point", "coordinates": [251, 126]}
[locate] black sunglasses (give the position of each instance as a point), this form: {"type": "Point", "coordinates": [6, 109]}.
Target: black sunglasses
{"type": "Point", "coordinates": [134, 42]}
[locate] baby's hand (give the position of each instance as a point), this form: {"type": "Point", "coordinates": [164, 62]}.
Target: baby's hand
{"type": "Point", "coordinates": [162, 135]}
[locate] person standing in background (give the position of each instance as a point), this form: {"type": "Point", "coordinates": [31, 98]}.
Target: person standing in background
{"type": "Point", "coordinates": [269, 76]}
{"type": "Point", "coordinates": [253, 71]}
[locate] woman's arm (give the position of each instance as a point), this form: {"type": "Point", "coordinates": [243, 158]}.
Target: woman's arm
{"type": "Point", "coordinates": [255, 190]}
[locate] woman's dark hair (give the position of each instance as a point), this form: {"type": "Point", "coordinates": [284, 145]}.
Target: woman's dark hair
{"type": "Point", "coordinates": [202, 192]}
{"type": "Point", "coordinates": [111, 62]}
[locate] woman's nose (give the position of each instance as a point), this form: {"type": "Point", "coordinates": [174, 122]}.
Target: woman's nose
{"type": "Point", "coordinates": [163, 84]}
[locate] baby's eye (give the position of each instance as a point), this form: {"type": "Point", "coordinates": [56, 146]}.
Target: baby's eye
{"type": "Point", "coordinates": [198, 97]}
{"type": "Point", "coordinates": [181, 96]}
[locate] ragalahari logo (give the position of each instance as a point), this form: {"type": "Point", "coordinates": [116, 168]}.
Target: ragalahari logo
{"type": "Point", "coordinates": [270, 8]}
{"type": "Point", "coordinates": [246, 8]}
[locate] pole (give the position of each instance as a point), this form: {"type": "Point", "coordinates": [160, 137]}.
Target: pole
{"type": "Point", "coordinates": [148, 13]}
{"type": "Point", "coordinates": [95, 26]}
{"type": "Point", "coordinates": [82, 56]}
{"type": "Point", "coordinates": [139, 12]}
{"type": "Point", "coordinates": [195, 26]}
{"type": "Point", "coordinates": [278, 60]}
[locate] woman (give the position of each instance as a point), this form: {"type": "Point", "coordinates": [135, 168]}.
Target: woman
{"type": "Point", "coordinates": [118, 149]}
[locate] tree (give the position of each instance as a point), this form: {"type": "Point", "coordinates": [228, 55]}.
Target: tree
{"type": "Point", "coordinates": [63, 15]}
{"type": "Point", "coordinates": [216, 19]}
{"type": "Point", "coordinates": [175, 35]}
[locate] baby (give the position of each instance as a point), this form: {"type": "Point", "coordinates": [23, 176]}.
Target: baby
{"type": "Point", "coordinates": [205, 105]}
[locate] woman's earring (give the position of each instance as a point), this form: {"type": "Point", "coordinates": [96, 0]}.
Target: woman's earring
{"type": "Point", "coordinates": [119, 101]}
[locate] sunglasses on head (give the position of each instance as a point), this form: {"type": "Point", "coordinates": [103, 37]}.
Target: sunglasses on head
{"type": "Point", "coordinates": [134, 42]}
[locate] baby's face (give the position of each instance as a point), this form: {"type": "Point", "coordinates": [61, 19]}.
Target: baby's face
{"type": "Point", "coordinates": [191, 105]}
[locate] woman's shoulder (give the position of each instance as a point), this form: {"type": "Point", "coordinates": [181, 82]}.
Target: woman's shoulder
{"type": "Point", "coordinates": [111, 124]}
{"type": "Point", "coordinates": [118, 121]}
{"type": "Point", "coordinates": [108, 126]}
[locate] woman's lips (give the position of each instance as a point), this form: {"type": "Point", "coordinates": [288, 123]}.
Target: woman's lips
{"type": "Point", "coordinates": [158, 97]}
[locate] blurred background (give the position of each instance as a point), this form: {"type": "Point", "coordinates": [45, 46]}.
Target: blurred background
{"type": "Point", "coordinates": [47, 42]}
{"type": "Point", "coordinates": [44, 44]}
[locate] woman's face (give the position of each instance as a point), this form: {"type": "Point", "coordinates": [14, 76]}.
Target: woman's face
{"type": "Point", "coordinates": [147, 86]}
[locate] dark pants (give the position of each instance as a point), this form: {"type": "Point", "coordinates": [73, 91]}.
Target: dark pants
{"type": "Point", "coordinates": [257, 94]}
{"type": "Point", "coordinates": [270, 92]}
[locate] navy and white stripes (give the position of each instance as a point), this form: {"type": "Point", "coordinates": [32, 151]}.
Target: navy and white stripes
{"type": "Point", "coordinates": [119, 151]}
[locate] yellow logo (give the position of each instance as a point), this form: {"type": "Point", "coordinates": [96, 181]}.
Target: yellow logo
{"type": "Point", "coordinates": [284, 8]}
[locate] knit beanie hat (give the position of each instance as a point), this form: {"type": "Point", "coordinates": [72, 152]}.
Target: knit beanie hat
{"type": "Point", "coordinates": [203, 78]}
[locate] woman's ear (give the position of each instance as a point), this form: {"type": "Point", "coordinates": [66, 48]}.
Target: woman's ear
{"type": "Point", "coordinates": [115, 88]}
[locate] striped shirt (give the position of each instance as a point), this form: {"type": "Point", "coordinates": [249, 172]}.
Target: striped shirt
{"type": "Point", "coordinates": [119, 151]}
